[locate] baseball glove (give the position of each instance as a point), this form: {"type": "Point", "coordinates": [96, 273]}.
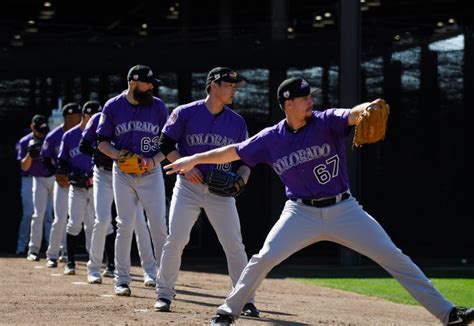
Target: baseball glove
{"type": "Point", "coordinates": [130, 162]}
{"type": "Point", "coordinates": [34, 147]}
{"type": "Point", "coordinates": [62, 180]}
{"type": "Point", "coordinates": [80, 179]}
{"type": "Point", "coordinates": [372, 124]}
{"type": "Point", "coordinates": [226, 184]}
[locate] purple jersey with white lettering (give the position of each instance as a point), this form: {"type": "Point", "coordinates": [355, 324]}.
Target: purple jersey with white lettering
{"type": "Point", "coordinates": [196, 130]}
{"type": "Point", "coordinates": [90, 131]}
{"type": "Point", "coordinates": [70, 152]}
{"type": "Point", "coordinates": [52, 143]}
{"type": "Point", "coordinates": [312, 162]}
{"type": "Point", "coordinates": [134, 128]}
{"type": "Point", "coordinates": [37, 168]}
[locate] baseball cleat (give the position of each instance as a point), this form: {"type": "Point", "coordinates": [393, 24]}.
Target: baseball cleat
{"type": "Point", "coordinates": [461, 316]}
{"type": "Point", "coordinates": [122, 290]}
{"type": "Point", "coordinates": [149, 281]}
{"type": "Point", "coordinates": [250, 310]}
{"type": "Point", "coordinates": [63, 258]}
{"type": "Point", "coordinates": [33, 257]}
{"type": "Point", "coordinates": [69, 270]}
{"type": "Point", "coordinates": [162, 305]}
{"type": "Point", "coordinates": [108, 272]}
{"type": "Point", "coordinates": [222, 320]}
{"type": "Point", "coordinates": [94, 279]}
{"type": "Point", "coordinates": [52, 263]}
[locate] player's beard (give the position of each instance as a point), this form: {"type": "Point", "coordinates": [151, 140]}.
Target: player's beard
{"type": "Point", "coordinates": [143, 98]}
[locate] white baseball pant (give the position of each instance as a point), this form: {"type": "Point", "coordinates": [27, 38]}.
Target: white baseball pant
{"type": "Point", "coordinates": [57, 237]}
{"type": "Point", "coordinates": [345, 223]}
{"type": "Point", "coordinates": [129, 190]}
{"type": "Point", "coordinates": [222, 213]}
{"type": "Point", "coordinates": [42, 194]}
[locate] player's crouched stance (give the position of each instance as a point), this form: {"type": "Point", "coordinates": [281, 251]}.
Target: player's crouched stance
{"type": "Point", "coordinates": [317, 183]}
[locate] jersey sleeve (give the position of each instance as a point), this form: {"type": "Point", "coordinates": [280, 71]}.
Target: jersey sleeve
{"type": "Point", "coordinates": [253, 150]}
{"type": "Point", "coordinates": [22, 149]}
{"type": "Point", "coordinates": [244, 135]}
{"type": "Point", "coordinates": [46, 149]}
{"type": "Point", "coordinates": [174, 126]}
{"type": "Point", "coordinates": [163, 116]}
{"type": "Point", "coordinates": [64, 149]}
{"type": "Point", "coordinates": [338, 120]}
{"type": "Point", "coordinates": [90, 131]}
{"type": "Point", "coordinates": [105, 126]}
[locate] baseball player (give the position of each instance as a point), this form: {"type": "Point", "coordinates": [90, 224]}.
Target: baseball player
{"type": "Point", "coordinates": [132, 122]}
{"type": "Point", "coordinates": [307, 151]}
{"type": "Point", "coordinates": [27, 207]}
{"type": "Point", "coordinates": [103, 233]}
{"type": "Point", "coordinates": [43, 183]}
{"type": "Point", "coordinates": [81, 205]}
{"type": "Point", "coordinates": [72, 113]}
{"type": "Point", "coordinates": [194, 128]}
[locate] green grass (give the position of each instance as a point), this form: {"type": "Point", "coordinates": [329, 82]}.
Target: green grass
{"type": "Point", "coordinates": [460, 291]}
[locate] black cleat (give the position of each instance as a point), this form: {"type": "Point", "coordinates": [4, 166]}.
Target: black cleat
{"type": "Point", "coordinates": [162, 305]}
{"type": "Point", "coordinates": [222, 320]}
{"type": "Point", "coordinates": [461, 316]}
{"type": "Point", "coordinates": [250, 310]}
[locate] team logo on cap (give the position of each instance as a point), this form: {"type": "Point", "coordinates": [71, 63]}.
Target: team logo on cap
{"type": "Point", "coordinates": [233, 75]}
{"type": "Point", "coordinates": [135, 77]}
{"type": "Point", "coordinates": [69, 111]}
{"type": "Point", "coordinates": [286, 94]}
{"type": "Point", "coordinates": [217, 76]}
{"type": "Point", "coordinates": [150, 73]}
{"type": "Point", "coordinates": [304, 84]}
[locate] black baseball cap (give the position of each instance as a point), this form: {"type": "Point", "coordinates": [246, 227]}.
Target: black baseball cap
{"type": "Point", "coordinates": [294, 87]}
{"type": "Point", "coordinates": [40, 123]}
{"type": "Point", "coordinates": [91, 107]}
{"type": "Point", "coordinates": [71, 108]}
{"type": "Point", "coordinates": [142, 73]}
{"type": "Point", "coordinates": [224, 74]}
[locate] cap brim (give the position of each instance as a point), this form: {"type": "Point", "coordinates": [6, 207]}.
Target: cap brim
{"type": "Point", "coordinates": [315, 90]}
{"type": "Point", "coordinates": [240, 80]}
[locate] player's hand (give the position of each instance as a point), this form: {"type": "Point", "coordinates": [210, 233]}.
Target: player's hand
{"type": "Point", "coordinates": [194, 176]}
{"type": "Point", "coordinates": [181, 165]}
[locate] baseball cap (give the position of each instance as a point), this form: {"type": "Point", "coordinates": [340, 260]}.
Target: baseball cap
{"type": "Point", "coordinates": [294, 87]}
{"type": "Point", "coordinates": [40, 123]}
{"type": "Point", "coordinates": [142, 73]}
{"type": "Point", "coordinates": [91, 107]}
{"type": "Point", "coordinates": [71, 108]}
{"type": "Point", "coordinates": [224, 74]}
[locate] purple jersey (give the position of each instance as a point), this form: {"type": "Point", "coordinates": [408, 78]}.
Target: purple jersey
{"type": "Point", "coordinates": [52, 143]}
{"type": "Point", "coordinates": [17, 149]}
{"type": "Point", "coordinates": [312, 162]}
{"type": "Point", "coordinates": [196, 130]}
{"type": "Point", "coordinates": [134, 128]}
{"type": "Point", "coordinates": [70, 152]}
{"type": "Point", "coordinates": [37, 168]}
{"type": "Point", "coordinates": [90, 132]}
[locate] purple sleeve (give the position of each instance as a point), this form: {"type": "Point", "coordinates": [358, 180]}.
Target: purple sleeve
{"type": "Point", "coordinates": [22, 151]}
{"type": "Point", "coordinates": [106, 127]}
{"type": "Point", "coordinates": [339, 120]}
{"type": "Point", "coordinates": [18, 151]}
{"type": "Point", "coordinates": [174, 127]}
{"type": "Point", "coordinates": [164, 116]}
{"type": "Point", "coordinates": [253, 150]}
{"type": "Point", "coordinates": [47, 150]}
{"type": "Point", "coordinates": [63, 150]}
{"type": "Point", "coordinates": [90, 132]}
{"type": "Point", "coordinates": [245, 134]}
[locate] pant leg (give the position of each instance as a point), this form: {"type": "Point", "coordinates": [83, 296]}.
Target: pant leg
{"type": "Point", "coordinates": [27, 212]}
{"type": "Point", "coordinates": [40, 202]}
{"type": "Point", "coordinates": [126, 201]}
{"type": "Point", "coordinates": [184, 211]}
{"type": "Point", "coordinates": [77, 209]}
{"type": "Point", "coordinates": [352, 227]}
{"type": "Point", "coordinates": [150, 188]}
{"type": "Point", "coordinates": [145, 249]}
{"type": "Point", "coordinates": [298, 227]}
{"type": "Point", "coordinates": [57, 235]}
{"type": "Point", "coordinates": [89, 218]}
{"type": "Point", "coordinates": [224, 218]}
{"type": "Point", "coordinates": [49, 213]}
{"type": "Point", "coordinates": [103, 198]}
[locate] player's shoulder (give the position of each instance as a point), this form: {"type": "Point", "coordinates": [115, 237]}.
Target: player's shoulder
{"type": "Point", "coordinates": [26, 138]}
{"type": "Point", "coordinates": [187, 109]}
{"type": "Point", "coordinates": [72, 131]}
{"type": "Point", "coordinates": [233, 114]}
{"type": "Point", "coordinates": [114, 101]}
{"type": "Point", "coordinates": [57, 130]}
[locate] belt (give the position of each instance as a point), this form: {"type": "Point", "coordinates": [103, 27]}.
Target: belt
{"type": "Point", "coordinates": [107, 168]}
{"type": "Point", "coordinates": [323, 202]}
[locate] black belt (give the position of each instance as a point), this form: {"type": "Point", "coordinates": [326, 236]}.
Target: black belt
{"type": "Point", "coordinates": [323, 202]}
{"type": "Point", "coordinates": [107, 168]}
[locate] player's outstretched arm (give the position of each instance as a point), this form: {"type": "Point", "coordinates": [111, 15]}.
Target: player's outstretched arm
{"type": "Point", "coordinates": [359, 110]}
{"type": "Point", "coordinates": [216, 156]}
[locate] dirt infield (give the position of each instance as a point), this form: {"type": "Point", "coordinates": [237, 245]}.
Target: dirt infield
{"type": "Point", "coordinates": [35, 295]}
